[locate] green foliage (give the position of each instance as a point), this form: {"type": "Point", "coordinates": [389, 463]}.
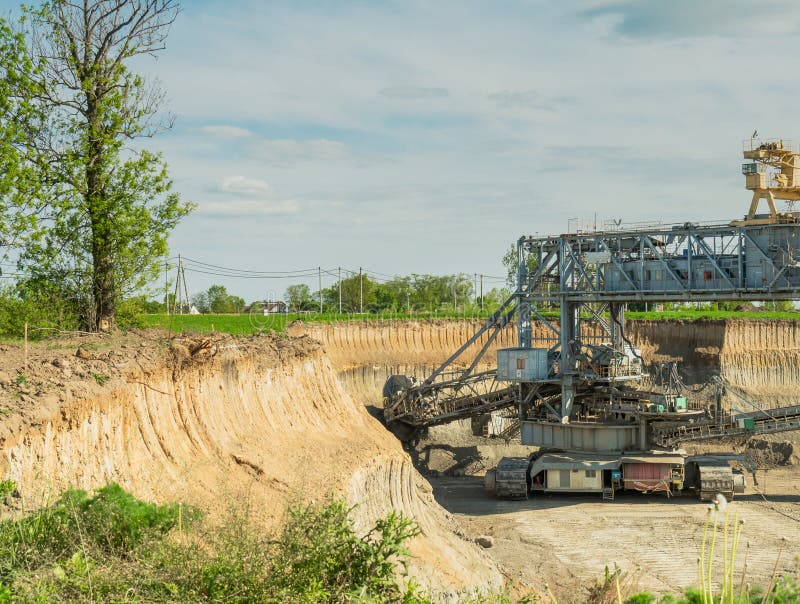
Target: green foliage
{"type": "Point", "coordinates": [778, 305]}
{"type": "Point", "coordinates": [99, 378]}
{"type": "Point", "coordinates": [510, 262]}
{"type": "Point", "coordinates": [88, 215]}
{"type": "Point", "coordinates": [318, 557]}
{"type": "Point", "coordinates": [641, 598]}
{"type": "Point", "coordinates": [298, 297]}
{"type": "Point", "coordinates": [112, 522]}
{"type": "Point", "coordinates": [710, 315]}
{"type": "Point", "coordinates": [7, 487]}
{"type": "Point", "coordinates": [130, 311]}
{"type": "Point", "coordinates": [723, 305]}
{"type": "Point", "coordinates": [410, 294]}
{"type": "Point", "coordinates": [786, 591]}
{"type": "Point", "coordinates": [217, 300]}
{"type": "Point", "coordinates": [113, 547]}
{"type": "Point", "coordinates": [118, 522]}
{"type": "Point", "coordinates": [39, 309]}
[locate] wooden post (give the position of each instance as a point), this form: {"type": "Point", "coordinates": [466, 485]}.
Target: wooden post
{"type": "Point", "coordinates": [26, 344]}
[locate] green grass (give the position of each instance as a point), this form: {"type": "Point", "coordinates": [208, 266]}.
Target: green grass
{"type": "Point", "coordinates": [711, 315]}
{"type": "Point", "coordinates": [246, 324]}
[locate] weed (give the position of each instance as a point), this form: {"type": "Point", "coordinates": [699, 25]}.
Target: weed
{"type": "Point", "coordinates": [22, 380]}
{"type": "Point", "coordinates": [100, 378]}
{"type": "Point", "coordinates": [7, 487]}
{"type": "Point", "coordinates": [319, 555]}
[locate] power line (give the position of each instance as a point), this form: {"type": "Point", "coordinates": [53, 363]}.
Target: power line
{"type": "Point", "coordinates": [238, 270]}
{"type": "Point", "coordinates": [241, 276]}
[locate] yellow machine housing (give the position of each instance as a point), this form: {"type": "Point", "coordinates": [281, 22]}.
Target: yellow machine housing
{"type": "Point", "coordinates": [773, 173]}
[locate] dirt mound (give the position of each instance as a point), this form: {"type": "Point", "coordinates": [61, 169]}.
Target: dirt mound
{"type": "Point", "coordinates": [770, 454]}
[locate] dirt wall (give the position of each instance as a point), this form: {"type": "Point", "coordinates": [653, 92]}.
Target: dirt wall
{"type": "Point", "coordinates": [265, 421]}
{"type": "Point", "coordinates": [758, 356]}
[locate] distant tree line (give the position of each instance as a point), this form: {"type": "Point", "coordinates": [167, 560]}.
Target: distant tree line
{"type": "Point", "coordinates": [412, 293]}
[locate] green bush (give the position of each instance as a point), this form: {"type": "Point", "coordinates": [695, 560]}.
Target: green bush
{"type": "Point", "coordinates": [319, 556]}
{"type": "Point", "coordinates": [111, 522]}
{"type": "Point", "coordinates": [114, 547]}
{"type": "Point", "coordinates": [38, 308]}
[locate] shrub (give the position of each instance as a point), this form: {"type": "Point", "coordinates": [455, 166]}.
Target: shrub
{"type": "Point", "coordinates": [114, 547]}
{"type": "Point", "coordinates": [319, 556]}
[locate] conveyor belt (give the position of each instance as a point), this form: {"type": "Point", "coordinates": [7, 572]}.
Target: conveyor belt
{"type": "Point", "coordinates": [771, 421]}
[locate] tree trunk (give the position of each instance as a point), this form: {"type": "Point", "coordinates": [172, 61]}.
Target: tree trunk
{"type": "Point", "coordinates": [103, 290]}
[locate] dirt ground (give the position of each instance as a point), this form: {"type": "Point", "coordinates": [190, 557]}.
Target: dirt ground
{"type": "Point", "coordinates": [38, 380]}
{"type": "Point", "coordinates": [569, 540]}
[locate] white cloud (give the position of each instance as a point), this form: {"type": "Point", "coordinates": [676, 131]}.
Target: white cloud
{"type": "Point", "coordinates": [413, 92]}
{"type": "Point", "coordinates": [239, 185]}
{"type": "Point", "coordinates": [226, 131]}
{"type": "Point", "coordinates": [529, 99]}
{"type": "Point", "coordinates": [249, 207]}
{"type": "Point", "coordinates": [290, 150]}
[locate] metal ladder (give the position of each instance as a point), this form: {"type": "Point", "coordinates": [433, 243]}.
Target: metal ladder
{"type": "Point", "coordinates": [608, 493]}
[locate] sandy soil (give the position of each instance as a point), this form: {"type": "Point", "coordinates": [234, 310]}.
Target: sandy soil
{"type": "Point", "coordinates": [569, 540]}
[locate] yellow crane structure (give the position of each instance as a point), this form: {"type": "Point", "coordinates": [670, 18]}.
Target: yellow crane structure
{"type": "Point", "coordinates": [773, 172]}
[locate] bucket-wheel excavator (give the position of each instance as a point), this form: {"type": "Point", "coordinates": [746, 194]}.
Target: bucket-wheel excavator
{"type": "Point", "coordinates": [575, 380]}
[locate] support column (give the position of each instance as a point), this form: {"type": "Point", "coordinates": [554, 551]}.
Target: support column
{"type": "Point", "coordinates": [524, 329]}
{"type": "Point", "coordinates": [617, 312]}
{"type": "Point", "coordinates": [524, 305]}
{"type": "Point", "coordinates": [569, 335]}
{"type": "Point", "coordinates": [643, 441]}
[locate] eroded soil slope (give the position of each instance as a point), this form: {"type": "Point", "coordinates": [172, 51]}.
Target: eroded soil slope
{"type": "Point", "coordinates": [262, 420]}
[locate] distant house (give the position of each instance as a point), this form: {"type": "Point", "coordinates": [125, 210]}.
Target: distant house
{"type": "Point", "coordinates": [270, 307]}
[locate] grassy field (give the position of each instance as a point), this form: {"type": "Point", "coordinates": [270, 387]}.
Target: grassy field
{"type": "Point", "coordinates": [712, 315]}
{"type": "Point", "coordinates": [247, 324]}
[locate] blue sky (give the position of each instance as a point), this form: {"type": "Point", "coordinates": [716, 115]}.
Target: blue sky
{"type": "Point", "coordinates": [427, 136]}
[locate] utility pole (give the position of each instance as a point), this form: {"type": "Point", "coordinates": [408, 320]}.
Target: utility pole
{"type": "Point", "coordinates": [166, 285]}
{"type": "Point", "coordinates": [319, 280]}
{"type": "Point", "coordinates": [178, 307]}
{"type": "Point", "coordinates": [185, 287]}
{"type": "Point", "coordinates": [481, 292]}
{"type": "Point", "coordinates": [340, 290]}
{"type": "Point", "coordinates": [181, 294]}
{"type": "Point", "coordinates": [475, 284]}
{"type": "Point", "coordinates": [360, 291]}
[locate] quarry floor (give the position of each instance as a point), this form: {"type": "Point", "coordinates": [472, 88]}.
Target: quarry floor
{"type": "Point", "coordinates": [569, 540]}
